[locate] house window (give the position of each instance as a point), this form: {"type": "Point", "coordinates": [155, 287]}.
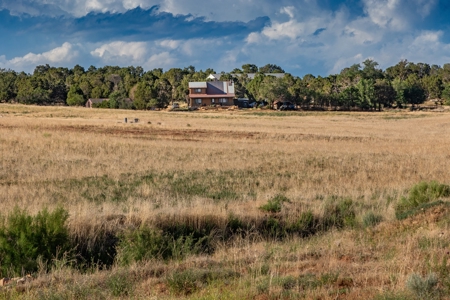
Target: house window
{"type": "Point", "coordinates": [223, 100]}
{"type": "Point", "coordinates": [213, 100]}
{"type": "Point", "coordinates": [197, 90]}
{"type": "Point", "coordinates": [198, 101]}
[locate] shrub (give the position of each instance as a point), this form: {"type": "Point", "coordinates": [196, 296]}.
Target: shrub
{"type": "Point", "coordinates": [25, 238]}
{"type": "Point", "coordinates": [274, 205]}
{"type": "Point", "coordinates": [173, 242]}
{"type": "Point", "coordinates": [139, 244]}
{"type": "Point", "coordinates": [420, 195]}
{"type": "Point", "coordinates": [306, 225]}
{"type": "Point", "coordinates": [339, 214]}
{"type": "Point", "coordinates": [371, 219]}
{"type": "Point", "coordinates": [423, 288]}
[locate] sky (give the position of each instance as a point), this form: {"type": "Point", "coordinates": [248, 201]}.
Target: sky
{"type": "Point", "coordinates": [319, 37]}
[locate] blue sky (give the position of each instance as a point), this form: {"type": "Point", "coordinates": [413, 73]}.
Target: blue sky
{"type": "Point", "coordinates": [302, 36]}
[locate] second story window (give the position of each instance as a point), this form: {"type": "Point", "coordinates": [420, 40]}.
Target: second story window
{"type": "Point", "coordinates": [197, 90]}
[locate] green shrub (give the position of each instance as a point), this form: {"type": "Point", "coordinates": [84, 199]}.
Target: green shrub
{"type": "Point", "coordinates": [371, 219]}
{"type": "Point", "coordinates": [420, 194]}
{"type": "Point", "coordinates": [423, 288]}
{"type": "Point", "coordinates": [25, 238]}
{"type": "Point", "coordinates": [175, 242]}
{"type": "Point", "coordinates": [306, 225]}
{"type": "Point", "coordinates": [338, 213]}
{"type": "Point", "coordinates": [274, 205]}
{"type": "Point", "coordinates": [139, 244]}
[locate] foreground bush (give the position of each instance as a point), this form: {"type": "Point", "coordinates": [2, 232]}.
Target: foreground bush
{"type": "Point", "coordinates": [25, 238]}
{"type": "Point", "coordinates": [420, 195]}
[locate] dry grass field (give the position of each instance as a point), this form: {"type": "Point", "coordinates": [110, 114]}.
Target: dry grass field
{"type": "Point", "coordinates": [204, 170]}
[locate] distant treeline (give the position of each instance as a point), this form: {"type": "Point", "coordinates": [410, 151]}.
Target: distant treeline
{"type": "Point", "coordinates": [360, 86]}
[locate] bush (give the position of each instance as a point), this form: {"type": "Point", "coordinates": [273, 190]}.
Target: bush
{"type": "Point", "coordinates": [174, 242]}
{"type": "Point", "coordinates": [306, 225]}
{"type": "Point", "coordinates": [25, 238]}
{"type": "Point", "coordinates": [371, 219]}
{"type": "Point", "coordinates": [274, 205]}
{"type": "Point", "coordinates": [338, 214]}
{"type": "Point", "coordinates": [423, 288]}
{"type": "Point", "coordinates": [421, 194]}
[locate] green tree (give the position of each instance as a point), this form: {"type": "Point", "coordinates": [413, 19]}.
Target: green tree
{"type": "Point", "coordinates": [446, 94]}
{"type": "Point", "coordinates": [385, 94]}
{"type": "Point", "coordinates": [75, 96]}
{"type": "Point", "coordinates": [270, 68]}
{"type": "Point", "coordinates": [249, 68]}
{"type": "Point", "coordinates": [433, 86]}
{"type": "Point", "coordinates": [7, 84]}
{"type": "Point", "coordinates": [366, 93]}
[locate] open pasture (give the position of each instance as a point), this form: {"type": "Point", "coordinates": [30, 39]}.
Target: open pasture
{"type": "Point", "coordinates": [198, 168]}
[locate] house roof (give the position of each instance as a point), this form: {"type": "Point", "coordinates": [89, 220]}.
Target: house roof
{"type": "Point", "coordinates": [197, 85]}
{"type": "Point", "coordinates": [215, 89]}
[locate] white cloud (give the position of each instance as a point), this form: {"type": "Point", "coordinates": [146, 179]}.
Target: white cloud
{"type": "Point", "coordinates": [170, 44]}
{"type": "Point", "coordinates": [160, 60]}
{"type": "Point", "coordinates": [289, 10]}
{"type": "Point", "coordinates": [119, 51]}
{"type": "Point", "coordinates": [57, 56]}
{"type": "Point", "coordinates": [397, 15]}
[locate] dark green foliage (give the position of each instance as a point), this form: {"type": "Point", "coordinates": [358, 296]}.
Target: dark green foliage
{"type": "Point", "coordinates": [371, 219]}
{"type": "Point", "coordinates": [25, 238]}
{"type": "Point", "coordinates": [419, 195]}
{"type": "Point", "coordinates": [98, 250]}
{"type": "Point", "coordinates": [274, 205]}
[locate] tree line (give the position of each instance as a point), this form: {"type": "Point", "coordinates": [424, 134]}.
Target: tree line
{"type": "Point", "coordinates": [361, 86]}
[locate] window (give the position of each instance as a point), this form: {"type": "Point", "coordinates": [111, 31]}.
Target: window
{"type": "Point", "coordinates": [223, 100]}
{"type": "Point", "coordinates": [213, 100]}
{"type": "Point", "coordinates": [198, 101]}
{"type": "Point", "coordinates": [197, 90]}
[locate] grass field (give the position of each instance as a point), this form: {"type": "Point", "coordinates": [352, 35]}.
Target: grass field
{"type": "Point", "coordinates": [251, 204]}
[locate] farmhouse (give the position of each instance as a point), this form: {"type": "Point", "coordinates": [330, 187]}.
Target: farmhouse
{"type": "Point", "coordinates": [211, 93]}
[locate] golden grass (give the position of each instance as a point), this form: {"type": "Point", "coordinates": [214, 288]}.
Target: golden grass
{"type": "Point", "coordinates": [50, 154]}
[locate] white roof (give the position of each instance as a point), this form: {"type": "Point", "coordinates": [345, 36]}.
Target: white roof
{"type": "Point", "coordinates": [197, 85]}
